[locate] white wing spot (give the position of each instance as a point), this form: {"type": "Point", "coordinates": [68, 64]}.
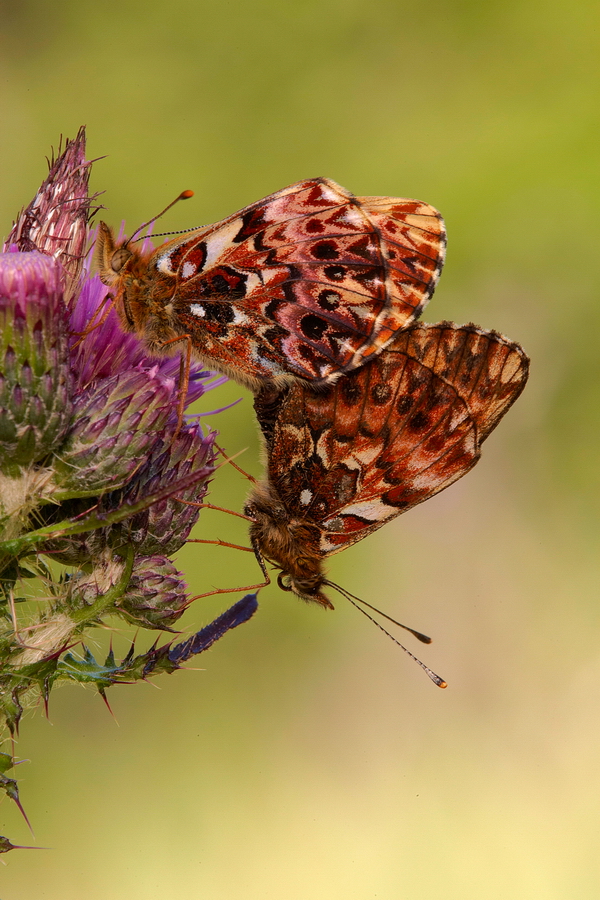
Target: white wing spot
{"type": "Point", "coordinates": [305, 497]}
{"type": "Point", "coordinates": [197, 309]}
{"type": "Point", "coordinates": [163, 264]}
{"type": "Point", "coordinates": [219, 242]}
{"type": "Point", "coordinates": [353, 217]}
{"type": "Point", "coordinates": [187, 270]}
{"type": "Point", "coordinates": [267, 364]}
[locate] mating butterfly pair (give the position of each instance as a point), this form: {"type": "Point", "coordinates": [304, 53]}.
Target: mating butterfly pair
{"type": "Point", "coordinates": [315, 288]}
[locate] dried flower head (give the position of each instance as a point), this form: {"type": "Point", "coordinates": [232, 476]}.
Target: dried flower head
{"type": "Point", "coordinates": [56, 221]}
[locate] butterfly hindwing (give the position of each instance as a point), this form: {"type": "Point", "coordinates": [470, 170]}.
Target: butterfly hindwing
{"type": "Point", "coordinates": [488, 371]}
{"type": "Point", "coordinates": [393, 433]}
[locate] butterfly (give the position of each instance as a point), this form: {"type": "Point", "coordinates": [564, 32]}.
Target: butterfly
{"type": "Point", "coordinates": [308, 283]}
{"type": "Point", "coordinates": [344, 461]}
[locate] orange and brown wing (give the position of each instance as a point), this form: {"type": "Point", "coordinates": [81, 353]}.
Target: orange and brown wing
{"type": "Point", "coordinates": [488, 371]}
{"type": "Point", "coordinates": [393, 433]}
{"type": "Point", "coordinates": [308, 282]}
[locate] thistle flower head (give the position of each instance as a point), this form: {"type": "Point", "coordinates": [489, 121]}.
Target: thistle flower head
{"type": "Point", "coordinates": [156, 595]}
{"type": "Point", "coordinates": [93, 465]}
{"type": "Point", "coordinates": [35, 376]}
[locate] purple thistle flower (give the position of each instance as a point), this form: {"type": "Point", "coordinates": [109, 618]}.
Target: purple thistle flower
{"type": "Point", "coordinates": [35, 377]}
{"type": "Point", "coordinates": [93, 466]}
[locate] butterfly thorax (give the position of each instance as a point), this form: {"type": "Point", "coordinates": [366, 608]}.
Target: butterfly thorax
{"type": "Point", "coordinates": [143, 295]}
{"type": "Point", "coordinates": [289, 542]}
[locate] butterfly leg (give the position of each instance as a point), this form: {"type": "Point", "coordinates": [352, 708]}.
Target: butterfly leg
{"type": "Point", "coordinates": [109, 306]}
{"type": "Point", "coordinates": [185, 364]}
{"type": "Point", "coordinates": [249, 587]}
{"type": "Point", "coordinates": [235, 466]}
{"type": "Point", "coordinates": [219, 508]}
{"type": "Point", "coordinates": [260, 559]}
{"type": "Point", "coordinates": [220, 543]}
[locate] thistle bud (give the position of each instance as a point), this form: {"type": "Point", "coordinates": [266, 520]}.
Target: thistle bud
{"type": "Point", "coordinates": [156, 596]}
{"type": "Point", "coordinates": [165, 526]}
{"type": "Point", "coordinates": [35, 380]}
{"type": "Point", "coordinates": [56, 220]}
{"type": "Point", "coordinates": [116, 424]}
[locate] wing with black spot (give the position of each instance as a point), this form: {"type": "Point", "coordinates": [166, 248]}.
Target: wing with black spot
{"type": "Point", "coordinates": [393, 433]}
{"type": "Point", "coordinates": [309, 282]}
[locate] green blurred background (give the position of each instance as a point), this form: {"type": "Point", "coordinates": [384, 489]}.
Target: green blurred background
{"type": "Point", "coordinates": [310, 758]}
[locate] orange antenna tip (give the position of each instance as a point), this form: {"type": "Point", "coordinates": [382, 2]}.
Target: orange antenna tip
{"type": "Point", "coordinates": [185, 195]}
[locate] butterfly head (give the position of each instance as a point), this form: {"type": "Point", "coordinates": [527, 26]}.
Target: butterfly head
{"type": "Point", "coordinates": [307, 589]}
{"type": "Point", "coordinates": [291, 543]}
{"type": "Point", "coordinates": [110, 259]}
{"type": "Point", "coordinates": [125, 269]}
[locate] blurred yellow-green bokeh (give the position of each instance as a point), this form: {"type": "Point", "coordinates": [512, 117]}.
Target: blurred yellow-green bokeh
{"type": "Point", "coordinates": [310, 759]}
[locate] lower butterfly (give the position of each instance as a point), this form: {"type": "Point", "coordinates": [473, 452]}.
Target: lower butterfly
{"type": "Point", "coordinates": [307, 283]}
{"type": "Point", "coordinates": [343, 461]}
{"type": "Point", "coordinates": [394, 433]}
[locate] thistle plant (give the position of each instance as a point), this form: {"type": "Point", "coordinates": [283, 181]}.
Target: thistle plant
{"type": "Point", "coordinates": [93, 467]}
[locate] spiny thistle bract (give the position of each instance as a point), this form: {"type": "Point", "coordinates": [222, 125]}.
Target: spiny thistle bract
{"type": "Point", "coordinates": [93, 467]}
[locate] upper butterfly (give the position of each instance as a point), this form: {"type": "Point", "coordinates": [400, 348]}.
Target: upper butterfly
{"type": "Point", "coordinates": [308, 283]}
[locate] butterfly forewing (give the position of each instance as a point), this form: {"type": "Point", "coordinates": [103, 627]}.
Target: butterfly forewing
{"type": "Point", "coordinates": [393, 433]}
{"type": "Point", "coordinates": [308, 282]}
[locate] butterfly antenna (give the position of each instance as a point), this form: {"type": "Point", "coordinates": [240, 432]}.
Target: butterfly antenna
{"type": "Point", "coordinates": [185, 195]}
{"type": "Point", "coordinates": [424, 638]}
{"type": "Point", "coordinates": [157, 234]}
{"type": "Point", "coordinates": [350, 597]}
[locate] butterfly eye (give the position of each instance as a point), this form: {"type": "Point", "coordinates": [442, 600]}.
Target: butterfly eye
{"type": "Point", "coordinates": [119, 258]}
{"type": "Point", "coordinates": [278, 511]}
